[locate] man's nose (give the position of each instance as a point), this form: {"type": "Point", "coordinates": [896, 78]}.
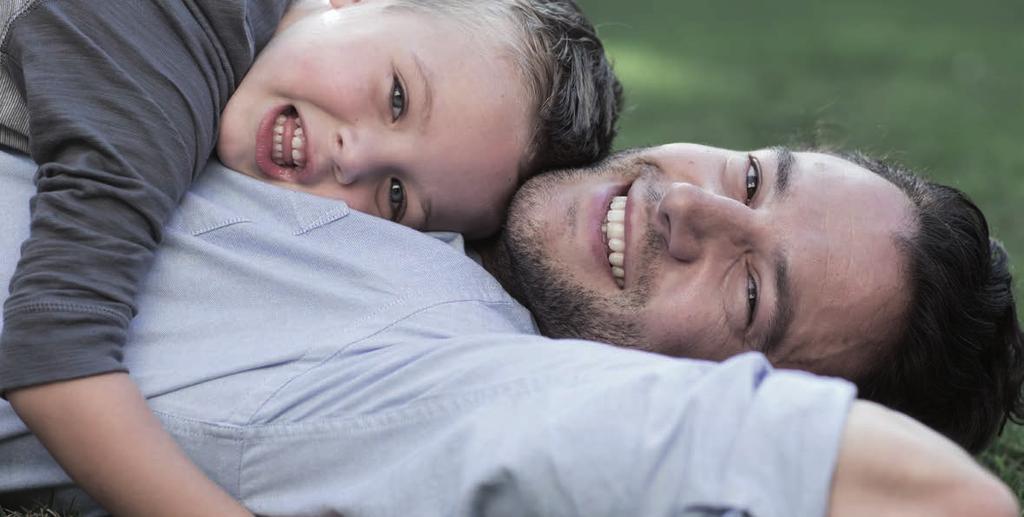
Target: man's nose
{"type": "Point", "coordinates": [695, 222]}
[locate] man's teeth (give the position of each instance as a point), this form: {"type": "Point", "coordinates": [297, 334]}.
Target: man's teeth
{"type": "Point", "coordinates": [615, 232]}
{"type": "Point", "coordinates": [298, 143]}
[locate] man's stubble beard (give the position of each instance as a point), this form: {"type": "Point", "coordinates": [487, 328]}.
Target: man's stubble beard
{"type": "Point", "coordinates": [562, 307]}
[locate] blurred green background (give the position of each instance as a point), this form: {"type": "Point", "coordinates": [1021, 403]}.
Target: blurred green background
{"type": "Point", "coordinates": [935, 85]}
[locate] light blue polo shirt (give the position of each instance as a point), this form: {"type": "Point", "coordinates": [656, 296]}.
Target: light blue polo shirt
{"type": "Point", "coordinates": [316, 360]}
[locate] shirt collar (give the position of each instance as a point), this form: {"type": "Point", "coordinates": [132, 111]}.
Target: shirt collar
{"type": "Point", "coordinates": [239, 198]}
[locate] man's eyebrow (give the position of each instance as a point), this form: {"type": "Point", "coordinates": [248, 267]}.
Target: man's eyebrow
{"type": "Point", "coordinates": [784, 158]}
{"type": "Point", "coordinates": [428, 94]}
{"type": "Point", "coordinates": [782, 317]}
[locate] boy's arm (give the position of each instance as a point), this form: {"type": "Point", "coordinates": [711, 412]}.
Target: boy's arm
{"type": "Point", "coordinates": [103, 434]}
{"type": "Point", "coordinates": [891, 465]}
{"type": "Point", "coordinates": [123, 100]}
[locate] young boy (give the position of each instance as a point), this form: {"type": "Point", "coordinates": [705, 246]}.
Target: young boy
{"type": "Point", "coordinates": [380, 106]}
{"type": "Point", "coordinates": [427, 113]}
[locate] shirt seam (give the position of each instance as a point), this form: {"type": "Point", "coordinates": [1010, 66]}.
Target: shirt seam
{"type": "Point", "coordinates": [64, 307]}
{"type": "Point", "coordinates": [428, 408]}
{"type": "Point", "coordinates": [231, 434]}
{"type": "Point", "coordinates": [220, 225]}
{"type": "Point", "coordinates": [320, 218]}
{"type": "Point", "coordinates": [389, 326]}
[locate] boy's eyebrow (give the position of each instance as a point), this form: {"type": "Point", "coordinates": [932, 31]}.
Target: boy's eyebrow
{"type": "Point", "coordinates": [428, 94]}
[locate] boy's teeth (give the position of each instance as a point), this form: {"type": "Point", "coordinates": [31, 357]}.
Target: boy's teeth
{"type": "Point", "coordinates": [614, 229]}
{"type": "Point", "coordinates": [298, 143]}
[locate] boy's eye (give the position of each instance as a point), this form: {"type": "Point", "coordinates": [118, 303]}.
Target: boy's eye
{"type": "Point", "coordinates": [397, 100]}
{"type": "Point", "coordinates": [753, 180]}
{"type": "Point", "coordinates": [396, 199]}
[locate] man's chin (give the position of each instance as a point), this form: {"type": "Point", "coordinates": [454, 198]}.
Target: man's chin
{"type": "Point", "coordinates": [561, 308]}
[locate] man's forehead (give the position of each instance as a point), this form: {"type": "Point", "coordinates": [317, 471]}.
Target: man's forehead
{"type": "Point", "coordinates": [845, 227]}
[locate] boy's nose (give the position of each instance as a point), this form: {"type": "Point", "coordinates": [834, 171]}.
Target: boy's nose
{"type": "Point", "coordinates": [342, 164]}
{"type": "Point", "coordinates": [365, 155]}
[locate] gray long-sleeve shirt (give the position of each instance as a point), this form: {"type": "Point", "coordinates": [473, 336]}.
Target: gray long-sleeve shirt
{"type": "Point", "coordinates": [118, 101]}
{"type": "Point", "coordinates": [318, 361]}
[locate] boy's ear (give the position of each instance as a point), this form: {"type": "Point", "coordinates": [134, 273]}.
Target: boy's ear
{"type": "Point", "coordinates": [337, 4]}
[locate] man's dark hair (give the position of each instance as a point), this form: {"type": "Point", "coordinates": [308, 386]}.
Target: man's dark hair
{"type": "Point", "coordinates": [958, 363]}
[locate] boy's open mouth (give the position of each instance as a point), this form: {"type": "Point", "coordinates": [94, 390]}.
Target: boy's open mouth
{"type": "Point", "coordinates": [283, 150]}
{"type": "Point", "coordinates": [289, 149]}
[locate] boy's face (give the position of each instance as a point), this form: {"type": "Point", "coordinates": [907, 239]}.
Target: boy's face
{"type": "Point", "coordinates": [401, 115]}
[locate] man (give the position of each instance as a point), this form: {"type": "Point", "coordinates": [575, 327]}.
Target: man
{"type": "Point", "coordinates": [845, 267]}
{"type": "Point", "coordinates": [310, 364]}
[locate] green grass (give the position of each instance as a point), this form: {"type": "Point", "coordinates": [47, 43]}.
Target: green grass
{"type": "Point", "coordinates": [935, 84]}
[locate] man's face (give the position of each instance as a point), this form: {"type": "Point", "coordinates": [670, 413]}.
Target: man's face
{"type": "Point", "coordinates": [721, 252]}
{"type": "Point", "coordinates": [402, 115]}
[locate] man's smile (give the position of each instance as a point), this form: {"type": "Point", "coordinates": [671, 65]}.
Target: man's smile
{"type": "Point", "coordinates": [615, 237]}
{"type": "Point", "coordinates": [609, 239]}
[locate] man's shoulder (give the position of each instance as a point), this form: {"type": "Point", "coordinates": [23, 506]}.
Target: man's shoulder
{"type": "Point", "coordinates": [324, 241]}
{"type": "Point", "coordinates": [293, 282]}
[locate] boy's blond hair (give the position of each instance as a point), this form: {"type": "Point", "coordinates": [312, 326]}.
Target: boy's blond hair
{"type": "Point", "coordinates": [557, 51]}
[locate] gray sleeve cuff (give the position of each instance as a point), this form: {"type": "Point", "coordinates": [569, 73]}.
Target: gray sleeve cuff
{"type": "Point", "coordinates": [81, 343]}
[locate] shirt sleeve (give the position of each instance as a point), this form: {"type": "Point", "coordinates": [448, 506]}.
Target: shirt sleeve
{"type": "Point", "coordinates": [123, 101]}
{"type": "Point", "coordinates": [518, 425]}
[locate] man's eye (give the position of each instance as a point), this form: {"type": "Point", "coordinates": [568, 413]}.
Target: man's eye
{"type": "Point", "coordinates": [753, 179]}
{"type": "Point", "coordinates": [396, 199]}
{"type": "Point", "coordinates": [397, 100]}
{"type": "Point", "coordinates": [752, 298]}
